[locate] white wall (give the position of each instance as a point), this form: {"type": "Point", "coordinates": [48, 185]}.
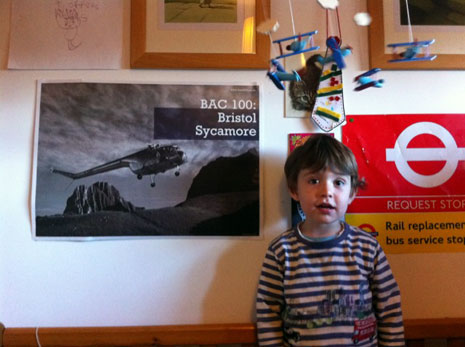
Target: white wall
{"type": "Point", "coordinates": [193, 280]}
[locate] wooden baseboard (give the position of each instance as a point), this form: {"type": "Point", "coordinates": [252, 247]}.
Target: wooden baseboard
{"type": "Point", "coordinates": [133, 336]}
{"type": "Point", "coordinates": [169, 335]}
{"type": "Point", "coordinates": [435, 328]}
{"type": "Point", "coordinates": [2, 329]}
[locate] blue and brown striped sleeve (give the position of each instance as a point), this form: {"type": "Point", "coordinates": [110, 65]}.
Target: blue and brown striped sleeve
{"type": "Point", "coordinates": [270, 301]}
{"type": "Point", "coordinates": [387, 303]}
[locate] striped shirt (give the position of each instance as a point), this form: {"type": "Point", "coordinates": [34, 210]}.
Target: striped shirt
{"type": "Point", "coordinates": [339, 292]}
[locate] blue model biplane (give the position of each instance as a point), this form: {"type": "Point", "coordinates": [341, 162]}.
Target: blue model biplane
{"type": "Point", "coordinates": [300, 44]}
{"type": "Point", "coordinates": [365, 80]}
{"type": "Point", "coordinates": [412, 50]}
{"type": "Point", "coordinates": [278, 74]}
{"type": "Point", "coordinates": [337, 52]}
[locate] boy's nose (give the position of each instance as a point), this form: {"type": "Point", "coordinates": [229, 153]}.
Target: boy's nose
{"type": "Point", "coordinates": [326, 190]}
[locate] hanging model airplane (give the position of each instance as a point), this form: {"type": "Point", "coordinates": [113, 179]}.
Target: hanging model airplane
{"type": "Point", "coordinates": [365, 80]}
{"type": "Point", "coordinates": [412, 49]}
{"type": "Point", "coordinates": [150, 161]}
{"type": "Point", "coordinates": [278, 74]}
{"type": "Point", "coordinates": [301, 43]}
{"type": "Point", "coordinates": [337, 52]}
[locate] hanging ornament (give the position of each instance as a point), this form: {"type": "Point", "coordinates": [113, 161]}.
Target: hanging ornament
{"type": "Point", "coordinates": [362, 19]}
{"type": "Point", "coordinates": [288, 46]}
{"type": "Point", "coordinates": [413, 48]}
{"type": "Point", "coordinates": [328, 112]}
{"type": "Point", "coordinates": [329, 4]}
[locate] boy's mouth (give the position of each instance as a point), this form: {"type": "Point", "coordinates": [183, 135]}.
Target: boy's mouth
{"type": "Point", "coordinates": [326, 206]}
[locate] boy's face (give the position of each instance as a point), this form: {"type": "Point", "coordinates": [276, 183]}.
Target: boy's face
{"type": "Point", "coordinates": [324, 196]}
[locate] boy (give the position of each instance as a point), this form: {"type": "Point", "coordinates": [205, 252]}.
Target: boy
{"type": "Point", "coordinates": [326, 283]}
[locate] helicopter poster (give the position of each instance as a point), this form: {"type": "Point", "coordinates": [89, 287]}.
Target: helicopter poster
{"type": "Point", "coordinates": [120, 160]}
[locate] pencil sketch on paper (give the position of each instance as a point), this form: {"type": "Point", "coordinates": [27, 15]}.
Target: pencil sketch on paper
{"type": "Point", "coordinates": [201, 11]}
{"type": "Point", "coordinates": [70, 14]}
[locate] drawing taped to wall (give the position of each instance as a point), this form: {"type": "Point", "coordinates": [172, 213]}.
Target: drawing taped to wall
{"type": "Point", "coordinates": [138, 160]}
{"type": "Point", "coordinates": [66, 34]}
{"type": "Point", "coordinates": [70, 15]}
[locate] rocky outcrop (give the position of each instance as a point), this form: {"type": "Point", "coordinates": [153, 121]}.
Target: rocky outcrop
{"type": "Point", "coordinates": [223, 200]}
{"type": "Point", "coordinates": [101, 196]}
{"type": "Point", "coordinates": [227, 174]}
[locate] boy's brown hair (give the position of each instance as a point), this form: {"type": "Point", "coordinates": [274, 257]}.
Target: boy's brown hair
{"type": "Point", "coordinates": [319, 152]}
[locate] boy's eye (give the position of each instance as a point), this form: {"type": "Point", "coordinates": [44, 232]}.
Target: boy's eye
{"type": "Point", "coordinates": [340, 183]}
{"type": "Point", "coordinates": [313, 180]}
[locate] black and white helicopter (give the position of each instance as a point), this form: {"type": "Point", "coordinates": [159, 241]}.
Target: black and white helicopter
{"type": "Point", "coordinates": [149, 161]}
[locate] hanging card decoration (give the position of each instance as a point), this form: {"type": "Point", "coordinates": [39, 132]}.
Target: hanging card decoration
{"type": "Point", "coordinates": [328, 112]}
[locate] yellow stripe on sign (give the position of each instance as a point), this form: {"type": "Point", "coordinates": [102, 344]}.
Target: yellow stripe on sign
{"type": "Point", "coordinates": [435, 232]}
{"type": "Point", "coordinates": [330, 89]}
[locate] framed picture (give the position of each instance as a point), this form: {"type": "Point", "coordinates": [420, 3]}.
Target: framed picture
{"type": "Point", "coordinates": [199, 34]}
{"type": "Point", "coordinates": [387, 28]}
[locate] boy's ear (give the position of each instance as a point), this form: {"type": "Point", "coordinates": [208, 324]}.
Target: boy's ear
{"type": "Point", "coordinates": [293, 194]}
{"type": "Point", "coordinates": [352, 196]}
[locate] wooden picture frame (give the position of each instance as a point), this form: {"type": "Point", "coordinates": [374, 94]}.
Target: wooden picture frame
{"type": "Point", "coordinates": [377, 47]}
{"type": "Point", "coordinates": [140, 57]}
